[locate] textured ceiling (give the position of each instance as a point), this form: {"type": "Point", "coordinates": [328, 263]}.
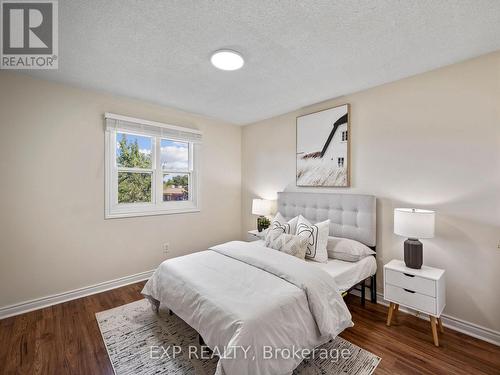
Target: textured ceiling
{"type": "Point", "coordinates": [297, 52]}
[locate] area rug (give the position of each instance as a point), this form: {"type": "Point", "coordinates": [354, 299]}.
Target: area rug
{"type": "Point", "coordinates": [141, 342]}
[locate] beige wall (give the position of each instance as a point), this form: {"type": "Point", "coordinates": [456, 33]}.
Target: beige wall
{"type": "Point", "coordinates": [53, 236]}
{"type": "Point", "coordinates": [430, 141]}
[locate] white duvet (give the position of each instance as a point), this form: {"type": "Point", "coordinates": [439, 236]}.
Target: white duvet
{"type": "Point", "coordinates": [245, 299]}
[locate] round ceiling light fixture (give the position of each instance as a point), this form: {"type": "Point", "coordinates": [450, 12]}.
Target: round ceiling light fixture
{"type": "Point", "coordinates": [226, 59]}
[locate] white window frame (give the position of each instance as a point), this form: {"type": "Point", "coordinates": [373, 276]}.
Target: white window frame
{"type": "Point", "coordinates": [157, 206]}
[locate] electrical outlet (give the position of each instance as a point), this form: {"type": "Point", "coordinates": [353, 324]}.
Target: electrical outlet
{"type": "Point", "coordinates": [166, 247]}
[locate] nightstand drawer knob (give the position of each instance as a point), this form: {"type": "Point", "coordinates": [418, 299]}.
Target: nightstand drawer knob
{"type": "Point", "coordinates": [407, 274]}
{"type": "Point", "coordinates": [408, 290]}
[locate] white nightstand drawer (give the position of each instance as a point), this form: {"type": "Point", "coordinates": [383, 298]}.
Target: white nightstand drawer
{"type": "Point", "coordinates": [416, 283]}
{"type": "Point", "coordinates": [414, 300]}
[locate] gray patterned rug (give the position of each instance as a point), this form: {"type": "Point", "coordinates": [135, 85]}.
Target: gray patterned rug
{"type": "Point", "coordinates": [140, 342]}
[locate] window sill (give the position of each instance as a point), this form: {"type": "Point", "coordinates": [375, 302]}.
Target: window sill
{"type": "Point", "coordinates": [126, 214]}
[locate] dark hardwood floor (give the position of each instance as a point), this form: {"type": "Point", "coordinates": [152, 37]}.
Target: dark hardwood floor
{"type": "Point", "coordinates": [65, 339]}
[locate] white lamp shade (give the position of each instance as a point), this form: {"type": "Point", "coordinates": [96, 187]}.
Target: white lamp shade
{"type": "Point", "coordinates": [262, 207]}
{"type": "Point", "coordinates": [414, 223]}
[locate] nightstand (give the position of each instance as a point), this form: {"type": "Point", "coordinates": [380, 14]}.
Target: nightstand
{"type": "Point", "coordinates": [255, 235]}
{"type": "Point", "coordinates": [422, 290]}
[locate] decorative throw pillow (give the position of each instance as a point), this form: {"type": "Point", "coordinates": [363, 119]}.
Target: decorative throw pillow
{"type": "Point", "coordinates": [278, 226]}
{"type": "Point", "coordinates": [288, 243]}
{"type": "Point", "coordinates": [317, 236]}
{"type": "Point", "coordinates": [272, 237]}
{"type": "Point", "coordinates": [293, 245]}
{"type": "Point", "coordinates": [347, 249]}
{"type": "Point", "coordinates": [287, 227]}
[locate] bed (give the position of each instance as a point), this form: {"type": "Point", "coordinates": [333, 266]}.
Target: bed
{"type": "Point", "coordinates": [242, 297]}
{"type": "Point", "coordinates": [352, 216]}
{"type": "Point", "coordinates": [347, 275]}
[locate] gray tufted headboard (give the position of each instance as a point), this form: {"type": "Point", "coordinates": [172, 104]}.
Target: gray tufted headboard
{"type": "Point", "coordinates": [351, 215]}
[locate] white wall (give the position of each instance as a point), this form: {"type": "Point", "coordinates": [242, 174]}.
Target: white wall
{"type": "Point", "coordinates": [430, 141]}
{"type": "Point", "coordinates": [53, 236]}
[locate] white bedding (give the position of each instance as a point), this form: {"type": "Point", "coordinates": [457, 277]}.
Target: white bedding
{"type": "Point", "coordinates": [348, 274]}
{"type": "Point", "coordinates": [244, 294]}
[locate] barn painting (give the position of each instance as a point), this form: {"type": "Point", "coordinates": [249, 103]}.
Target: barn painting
{"type": "Point", "coordinates": [323, 142]}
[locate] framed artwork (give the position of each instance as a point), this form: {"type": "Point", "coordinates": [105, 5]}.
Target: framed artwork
{"type": "Point", "coordinates": [323, 146]}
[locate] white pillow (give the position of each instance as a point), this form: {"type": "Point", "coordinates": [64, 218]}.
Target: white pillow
{"type": "Point", "coordinates": [287, 227]}
{"type": "Point", "coordinates": [347, 249]}
{"type": "Point", "coordinates": [317, 235]}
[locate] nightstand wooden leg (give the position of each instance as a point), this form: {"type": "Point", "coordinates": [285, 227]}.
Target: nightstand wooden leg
{"type": "Point", "coordinates": [434, 330]}
{"type": "Point", "coordinates": [440, 324]}
{"type": "Point", "coordinates": [396, 309]}
{"type": "Point", "coordinates": [389, 313]}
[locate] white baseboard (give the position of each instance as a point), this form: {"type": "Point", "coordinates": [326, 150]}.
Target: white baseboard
{"type": "Point", "coordinates": [39, 303]}
{"type": "Point", "coordinates": [456, 324]}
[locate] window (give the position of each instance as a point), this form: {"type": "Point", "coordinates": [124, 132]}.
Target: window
{"type": "Point", "coordinates": [151, 168]}
{"type": "Point", "coordinates": [176, 173]}
{"type": "Point", "coordinates": [340, 162]}
{"type": "Point", "coordinates": [344, 136]}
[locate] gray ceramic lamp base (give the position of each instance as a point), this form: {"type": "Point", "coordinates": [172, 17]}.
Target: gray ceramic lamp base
{"type": "Point", "coordinates": [414, 254]}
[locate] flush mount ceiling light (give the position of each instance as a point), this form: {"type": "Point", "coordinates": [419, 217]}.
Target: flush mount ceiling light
{"type": "Point", "coordinates": [226, 59]}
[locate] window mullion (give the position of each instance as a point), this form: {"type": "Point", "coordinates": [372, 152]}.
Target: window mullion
{"type": "Point", "coordinates": [190, 156]}
{"type": "Point", "coordinates": [158, 172]}
{"type": "Point", "coordinates": [134, 170]}
{"type": "Point", "coordinates": [184, 171]}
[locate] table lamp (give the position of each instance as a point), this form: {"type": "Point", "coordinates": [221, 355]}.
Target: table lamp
{"type": "Point", "coordinates": [414, 223]}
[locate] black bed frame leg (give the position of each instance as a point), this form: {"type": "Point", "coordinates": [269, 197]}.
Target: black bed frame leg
{"type": "Point", "coordinates": [373, 289]}
{"type": "Point", "coordinates": [363, 293]}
